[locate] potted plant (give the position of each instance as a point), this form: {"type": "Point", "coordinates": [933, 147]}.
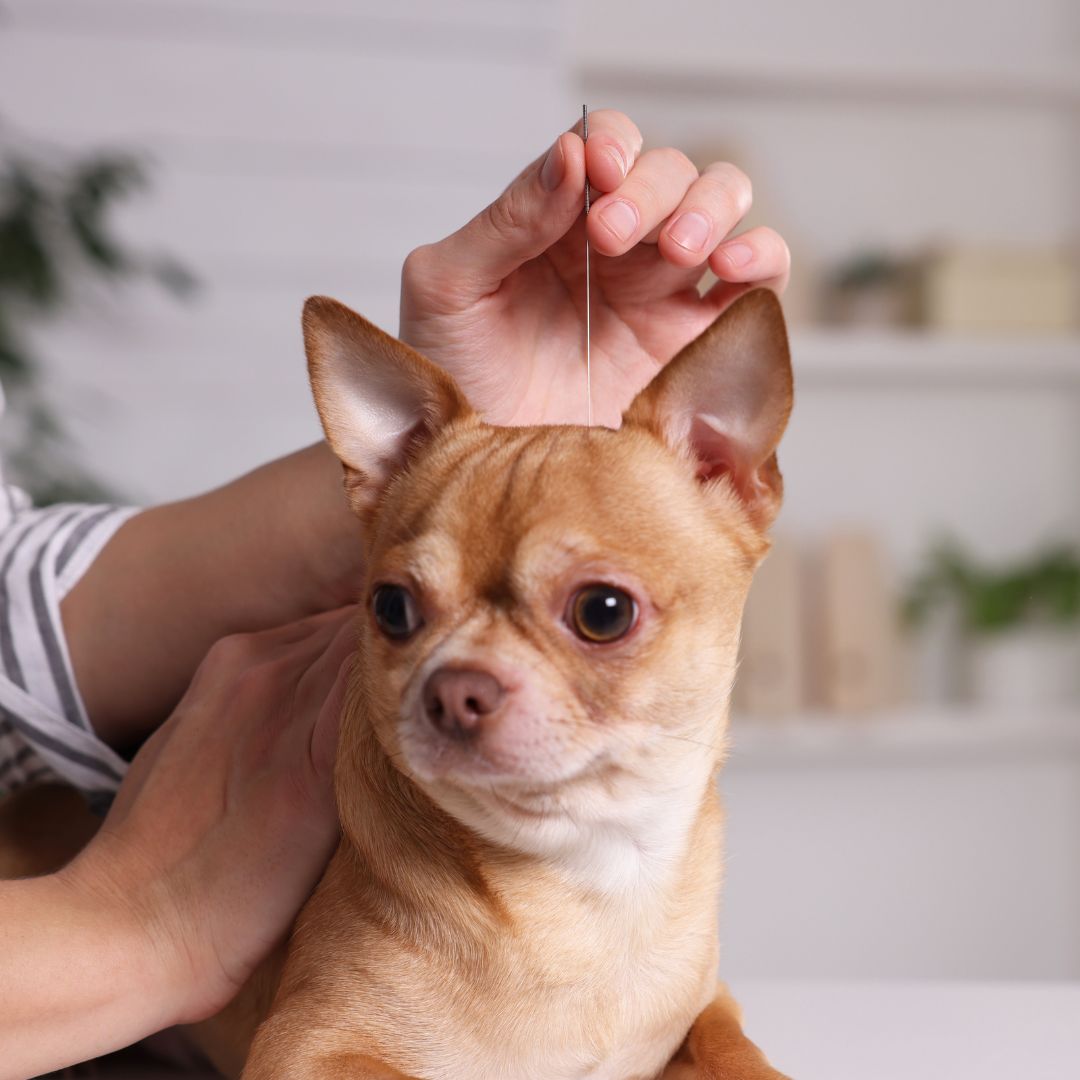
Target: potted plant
{"type": "Point", "coordinates": [1020, 623]}
{"type": "Point", "coordinates": [55, 237]}
{"type": "Point", "coordinates": [871, 289]}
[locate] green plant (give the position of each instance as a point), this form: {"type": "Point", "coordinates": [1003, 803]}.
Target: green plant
{"type": "Point", "coordinates": [54, 235]}
{"type": "Point", "coordinates": [1042, 590]}
{"type": "Point", "coordinates": [868, 270]}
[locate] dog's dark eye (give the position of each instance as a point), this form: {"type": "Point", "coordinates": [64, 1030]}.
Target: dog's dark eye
{"type": "Point", "coordinates": [602, 613]}
{"type": "Point", "coordinates": [395, 611]}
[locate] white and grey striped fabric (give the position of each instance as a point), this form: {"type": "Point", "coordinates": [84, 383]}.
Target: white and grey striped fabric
{"type": "Point", "coordinates": [44, 730]}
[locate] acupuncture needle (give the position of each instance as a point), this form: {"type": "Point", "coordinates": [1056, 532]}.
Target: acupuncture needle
{"type": "Point", "coordinates": [588, 275]}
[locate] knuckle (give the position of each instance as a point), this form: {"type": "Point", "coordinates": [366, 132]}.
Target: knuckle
{"type": "Point", "coordinates": [261, 683]}
{"type": "Point", "coordinates": [733, 185]}
{"type": "Point", "coordinates": [677, 162]}
{"type": "Point", "coordinates": [645, 193]}
{"type": "Point", "coordinates": [229, 652]}
{"type": "Point", "coordinates": [508, 213]}
{"type": "Point", "coordinates": [621, 123]}
{"type": "Point", "coordinates": [775, 249]}
{"type": "Point", "coordinates": [416, 269]}
{"type": "Point", "coordinates": [669, 163]}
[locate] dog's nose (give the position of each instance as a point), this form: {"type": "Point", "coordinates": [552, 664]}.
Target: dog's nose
{"type": "Point", "coordinates": [457, 700]}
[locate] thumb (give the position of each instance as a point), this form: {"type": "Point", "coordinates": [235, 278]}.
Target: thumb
{"type": "Point", "coordinates": [535, 211]}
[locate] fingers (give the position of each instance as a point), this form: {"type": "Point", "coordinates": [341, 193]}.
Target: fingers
{"type": "Point", "coordinates": [613, 148]}
{"type": "Point", "coordinates": [663, 199]}
{"type": "Point", "coordinates": [758, 256]}
{"type": "Point", "coordinates": [322, 746]}
{"type": "Point", "coordinates": [312, 631]}
{"type": "Point", "coordinates": [653, 189]}
{"type": "Point", "coordinates": [713, 204]}
{"type": "Point", "coordinates": [300, 640]}
{"type": "Point", "coordinates": [535, 211]}
{"type": "Point", "coordinates": [651, 197]}
{"type": "Point", "coordinates": [318, 678]}
{"type": "Point", "coordinates": [316, 710]}
{"type": "Point", "coordinates": [310, 747]}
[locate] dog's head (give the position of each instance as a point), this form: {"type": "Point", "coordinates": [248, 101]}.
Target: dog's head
{"type": "Point", "coordinates": [551, 614]}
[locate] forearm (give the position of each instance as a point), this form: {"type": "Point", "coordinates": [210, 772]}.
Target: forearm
{"type": "Point", "coordinates": [78, 978]}
{"type": "Point", "coordinates": [272, 546]}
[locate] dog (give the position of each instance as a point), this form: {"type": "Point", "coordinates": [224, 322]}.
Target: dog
{"type": "Point", "coordinates": [529, 875]}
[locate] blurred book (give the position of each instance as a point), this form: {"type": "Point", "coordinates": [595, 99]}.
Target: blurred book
{"type": "Point", "coordinates": [859, 651]}
{"type": "Point", "coordinates": [1021, 292]}
{"type": "Point", "coordinates": [771, 679]}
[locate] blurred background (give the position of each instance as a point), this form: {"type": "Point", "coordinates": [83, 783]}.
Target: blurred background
{"type": "Point", "coordinates": [904, 793]}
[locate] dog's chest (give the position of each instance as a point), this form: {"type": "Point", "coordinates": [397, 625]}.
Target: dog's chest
{"type": "Point", "coordinates": [595, 1008]}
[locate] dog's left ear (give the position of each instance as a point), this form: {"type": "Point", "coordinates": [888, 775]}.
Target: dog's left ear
{"type": "Point", "coordinates": [379, 401]}
{"type": "Point", "coordinates": [725, 400]}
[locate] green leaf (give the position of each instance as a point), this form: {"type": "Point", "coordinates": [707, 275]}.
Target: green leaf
{"type": "Point", "coordinates": [93, 187]}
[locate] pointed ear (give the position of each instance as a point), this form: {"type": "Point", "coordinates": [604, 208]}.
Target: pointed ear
{"type": "Point", "coordinates": [378, 400]}
{"type": "Point", "coordinates": [725, 400]}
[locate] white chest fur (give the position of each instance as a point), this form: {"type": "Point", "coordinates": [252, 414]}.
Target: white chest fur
{"type": "Point", "coordinates": [604, 991]}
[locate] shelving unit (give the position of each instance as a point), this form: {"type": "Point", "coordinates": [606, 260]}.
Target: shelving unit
{"type": "Point", "coordinates": [739, 76]}
{"type": "Point", "coordinates": [907, 737]}
{"type": "Point", "coordinates": [856, 357]}
{"type": "Point", "coordinates": [919, 841]}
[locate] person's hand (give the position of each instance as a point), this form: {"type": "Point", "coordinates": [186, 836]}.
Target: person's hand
{"type": "Point", "coordinates": [227, 817]}
{"type": "Point", "coordinates": [500, 304]}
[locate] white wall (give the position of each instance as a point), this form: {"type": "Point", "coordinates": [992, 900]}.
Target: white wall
{"type": "Point", "coordinates": [965, 36]}
{"type": "Point", "coordinates": [928, 865]}
{"type": "Point", "coordinates": [307, 147]}
{"type": "Point", "coordinates": [299, 148]}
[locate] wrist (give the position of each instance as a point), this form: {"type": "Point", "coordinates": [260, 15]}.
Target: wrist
{"type": "Point", "coordinates": [134, 920]}
{"type": "Point", "coordinates": [78, 977]}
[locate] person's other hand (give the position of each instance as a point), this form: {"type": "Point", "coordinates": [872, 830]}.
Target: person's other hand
{"type": "Point", "coordinates": [500, 304]}
{"type": "Point", "coordinates": [227, 817]}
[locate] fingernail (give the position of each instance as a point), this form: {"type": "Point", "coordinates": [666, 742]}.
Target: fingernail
{"type": "Point", "coordinates": [621, 218]}
{"type": "Point", "coordinates": [554, 168]}
{"type": "Point", "coordinates": [738, 255]}
{"type": "Point", "coordinates": [616, 155]}
{"type": "Point", "coordinates": [691, 231]}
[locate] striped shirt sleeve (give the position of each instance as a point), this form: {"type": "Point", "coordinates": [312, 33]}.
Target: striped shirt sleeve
{"type": "Point", "coordinates": [45, 733]}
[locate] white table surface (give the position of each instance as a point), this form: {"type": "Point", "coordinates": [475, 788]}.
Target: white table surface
{"type": "Point", "coordinates": [916, 1030]}
{"type": "Point", "coordinates": [869, 1031]}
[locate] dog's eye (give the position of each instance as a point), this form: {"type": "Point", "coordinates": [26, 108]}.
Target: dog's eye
{"type": "Point", "coordinates": [602, 613]}
{"type": "Point", "coordinates": [395, 611]}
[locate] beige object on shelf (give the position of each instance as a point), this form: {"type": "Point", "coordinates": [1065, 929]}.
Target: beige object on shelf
{"type": "Point", "coordinates": [858, 622]}
{"type": "Point", "coordinates": [1021, 292]}
{"type": "Point", "coordinates": [771, 679]}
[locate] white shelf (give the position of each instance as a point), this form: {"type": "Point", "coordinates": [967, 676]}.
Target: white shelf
{"type": "Point", "coordinates": [730, 77]}
{"type": "Point", "coordinates": [896, 357]}
{"type": "Point", "coordinates": [903, 737]}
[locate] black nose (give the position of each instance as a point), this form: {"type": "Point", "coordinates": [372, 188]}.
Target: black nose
{"type": "Point", "coordinates": [458, 700]}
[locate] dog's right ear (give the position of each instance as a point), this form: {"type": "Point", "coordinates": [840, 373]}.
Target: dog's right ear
{"type": "Point", "coordinates": [378, 400]}
{"type": "Point", "coordinates": [724, 402]}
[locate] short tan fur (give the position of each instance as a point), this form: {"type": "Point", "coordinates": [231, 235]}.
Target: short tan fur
{"type": "Point", "coordinates": [535, 896]}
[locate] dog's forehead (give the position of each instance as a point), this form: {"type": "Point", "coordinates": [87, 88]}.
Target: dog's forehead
{"type": "Point", "coordinates": [490, 500]}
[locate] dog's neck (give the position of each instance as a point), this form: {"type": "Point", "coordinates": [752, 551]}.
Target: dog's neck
{"type": "Point", "coordinates": [431, 873]}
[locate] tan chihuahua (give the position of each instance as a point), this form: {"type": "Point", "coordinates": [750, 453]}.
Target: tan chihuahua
{"type": "Point", "coordinates": [528, 883]}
